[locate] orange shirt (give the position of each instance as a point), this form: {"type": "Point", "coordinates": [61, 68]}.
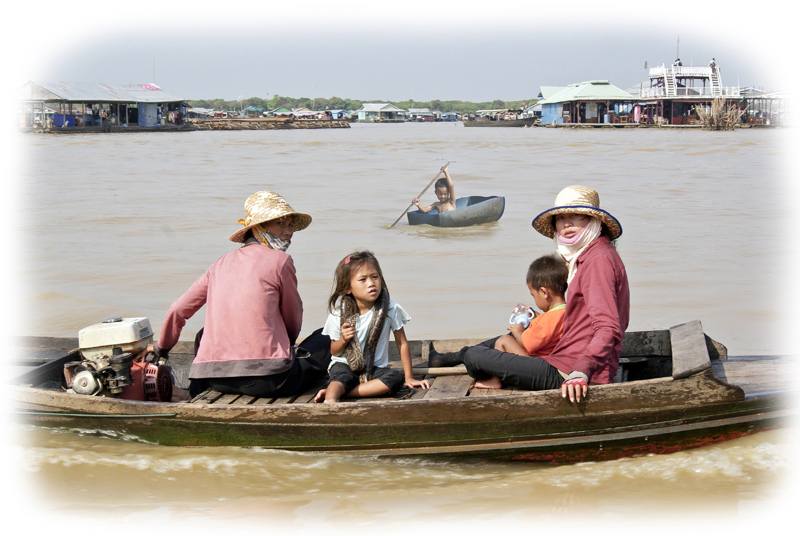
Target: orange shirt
{"type": "Point", "coordinates": [544, 332]}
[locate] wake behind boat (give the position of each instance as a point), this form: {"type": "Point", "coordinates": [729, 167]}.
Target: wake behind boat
{"type": "Point", "coordinates": [472, 210]}
{"type": "Point", "coordinates": [675, 389]}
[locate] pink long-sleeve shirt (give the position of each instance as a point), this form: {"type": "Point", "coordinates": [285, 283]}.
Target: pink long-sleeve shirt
{"type": "Point", "coordinates": [598, 310]}
{"type": "Point", "coordinates": [253, 314]}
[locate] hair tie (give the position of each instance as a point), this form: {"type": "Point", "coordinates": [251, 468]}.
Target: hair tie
{"type": "Point", "coordinates": [347, 260]}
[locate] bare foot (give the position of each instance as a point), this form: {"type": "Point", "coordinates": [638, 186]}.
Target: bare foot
{"type": "Point", "coordinates": [491, 383]}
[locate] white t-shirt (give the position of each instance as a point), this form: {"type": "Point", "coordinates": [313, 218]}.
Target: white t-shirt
{"type": "Point", "coordinates": [396, 318]}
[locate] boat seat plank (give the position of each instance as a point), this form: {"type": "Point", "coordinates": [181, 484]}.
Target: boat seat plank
{"type": "Point", "coordinates": [689, 349]}
{"type": "Point", "coordinates": [449, 387]}
{"type": "Point", "coordinates": [226, 399]}
{"type": "Point", "coordinates": [262, 402]}
{"type": "Point", "coordinates": [492, 392]}
{"type": "Point", "coordinates": [207, 397]}
{"type": "Point", "coordinates": [307, 396]}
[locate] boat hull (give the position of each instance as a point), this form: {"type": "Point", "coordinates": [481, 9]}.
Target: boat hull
{"type": "Point", "coordinates": [473, 210]}
{"type": "Point", "coordinates": [661, 416]}
{"type": "Point", "coordinates": [689, 407]}
{"type": "Point", "coordinates": [510, 123]}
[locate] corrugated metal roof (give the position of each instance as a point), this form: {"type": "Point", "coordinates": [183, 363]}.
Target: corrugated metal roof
{"type": "Point", "coordinates": [380, 107]}
{"type": "Point", "coordinates": [93, 92]}
{"type": "Point", "coordinates": [548, 91]}
{"type": "Point", "coordinates": [588, 91]}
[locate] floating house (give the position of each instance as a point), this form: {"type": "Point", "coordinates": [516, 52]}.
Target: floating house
{"type": "Point", "coordinates": [675, 92]}
{"type": "Point", "coordinates": [420, 114]}
{"type": "Point", "coordinates": [104, 107]}
{"type": "Point", "coordinates": [765, 107]}
{"type": "Point", "coordinates": [592, 102]}
{"type": "Point", "coordinates": [200, 113]}
{"type": "Point", "coordinates": [253, 111]}
{"type": "Point", "coordinates": [279, 112]}
{"type": "Point", "coordinates": [381, 112]}
{"type": "Point", "coordinates": [338, 114]}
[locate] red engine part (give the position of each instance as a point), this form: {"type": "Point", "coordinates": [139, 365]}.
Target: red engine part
{"type": "Point", "coordinates": [151, 383]}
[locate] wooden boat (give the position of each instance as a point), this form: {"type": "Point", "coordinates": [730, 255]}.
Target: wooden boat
{"type": "Point", "coordinates": [526, 122]}
{"type": "Point", "coordinates": [678, 390]}
{"type": "Point", "coordinates": [472, 210]}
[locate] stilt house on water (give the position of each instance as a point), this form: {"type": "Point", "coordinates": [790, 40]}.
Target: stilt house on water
{"type": "Point", "coordinates": [672, 96]}
{"type": "Point", "coordinates": [592, 102]}
{"type": "Point", "coordinates": [381, 112]}
{"type": "Point", "coordinates": [92, 107]}
{"type": "Point", "coordinates": [676, 92]}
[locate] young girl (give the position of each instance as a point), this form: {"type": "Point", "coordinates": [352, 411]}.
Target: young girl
{"type": "Point", "coordinates": [360, 320]}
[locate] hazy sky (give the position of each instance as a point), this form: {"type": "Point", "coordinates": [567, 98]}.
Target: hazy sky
{"type": "Point", "coordinates": [398, 51]}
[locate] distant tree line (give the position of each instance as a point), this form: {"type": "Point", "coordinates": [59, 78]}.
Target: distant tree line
{"type": "Point", "coordinates": [336, 103]}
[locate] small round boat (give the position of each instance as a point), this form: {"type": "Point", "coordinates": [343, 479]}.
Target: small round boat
{"type": "Point", "coordinates": [472, 210]}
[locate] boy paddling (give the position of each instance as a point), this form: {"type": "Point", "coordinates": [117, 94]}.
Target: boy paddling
{"type": "Point", "coordinates": [444, 193]}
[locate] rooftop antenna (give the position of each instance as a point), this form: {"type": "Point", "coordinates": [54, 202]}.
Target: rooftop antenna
{"type": "Point", "coordinates": [678, 50]}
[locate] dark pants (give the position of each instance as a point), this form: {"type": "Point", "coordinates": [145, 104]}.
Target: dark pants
{"type": "Point", "coordinates": [393, 379]}
{"type": "Point", "coordinates": [525, 372]}
{"type": "Point", "coordinates": [309, 365]}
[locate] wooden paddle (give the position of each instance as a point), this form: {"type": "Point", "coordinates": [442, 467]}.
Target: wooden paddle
{"type": "Point", "coordinates": [421, 194]}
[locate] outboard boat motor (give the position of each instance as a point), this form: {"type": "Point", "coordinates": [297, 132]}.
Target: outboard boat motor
{"type": "Point", "coordinates": [110, 366]}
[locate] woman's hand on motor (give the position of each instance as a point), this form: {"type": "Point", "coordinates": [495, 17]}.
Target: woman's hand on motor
{"type": "Point", "coordinates": [144, 353]}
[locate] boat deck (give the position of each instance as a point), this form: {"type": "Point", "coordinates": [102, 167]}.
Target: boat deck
{"type": "Point", "coordinates": [451, 386]}
{"type": "Point", "coordinates": [756, 375]}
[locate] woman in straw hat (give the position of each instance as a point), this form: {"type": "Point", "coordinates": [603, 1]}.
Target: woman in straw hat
{"type": "Point", "coordinates": [253, 310]}
{"type": "Point", "coordinates": [598, 306]}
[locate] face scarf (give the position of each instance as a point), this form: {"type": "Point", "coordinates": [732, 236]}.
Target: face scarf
{"type": "Point", "coordinates": [572, 248]}
{"type": "Point", "coordinates": [269, 239]}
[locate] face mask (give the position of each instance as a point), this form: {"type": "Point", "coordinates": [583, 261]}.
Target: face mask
{"type": "Point", "coordinates": [269, 239]}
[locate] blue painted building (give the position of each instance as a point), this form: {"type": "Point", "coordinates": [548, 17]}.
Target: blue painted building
{"type": "Point", "coordinates": [595, 101]}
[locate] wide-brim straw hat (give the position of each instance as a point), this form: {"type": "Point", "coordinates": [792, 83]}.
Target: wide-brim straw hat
{"type": "Point", "coordinates": [265, 206]}
{"type": "Point", "coordinates": [576, 200]}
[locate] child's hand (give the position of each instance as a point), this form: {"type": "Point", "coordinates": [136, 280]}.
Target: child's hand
{"type": "Point", "coordinates": [425, 384]}
{"type": "Point", "coordinates": [348, 331]}
{"type": "Point", "coordinates": [516, 330]}
{"type": "Point", "coordinates": [415, 201]}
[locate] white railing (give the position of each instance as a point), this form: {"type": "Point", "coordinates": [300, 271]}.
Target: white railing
{"type": "Point", "coordinates": [687, 92]}
{"type": "Point", "coordinates": [692, 71]}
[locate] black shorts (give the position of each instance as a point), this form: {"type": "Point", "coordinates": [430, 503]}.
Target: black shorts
{"type": "Point", "coordinates": [392, 378]}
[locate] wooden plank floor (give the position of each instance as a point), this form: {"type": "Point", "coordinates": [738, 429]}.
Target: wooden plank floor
{"type": "Point", "coordinates": [756, 375]}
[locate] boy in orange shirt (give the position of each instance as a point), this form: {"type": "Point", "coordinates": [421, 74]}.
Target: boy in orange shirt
{"type": "Point", "coordinates": [547, 283]}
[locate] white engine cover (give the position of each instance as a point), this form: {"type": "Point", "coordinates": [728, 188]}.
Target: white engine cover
{"type": "Point", "coordinates": [131, 335]}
